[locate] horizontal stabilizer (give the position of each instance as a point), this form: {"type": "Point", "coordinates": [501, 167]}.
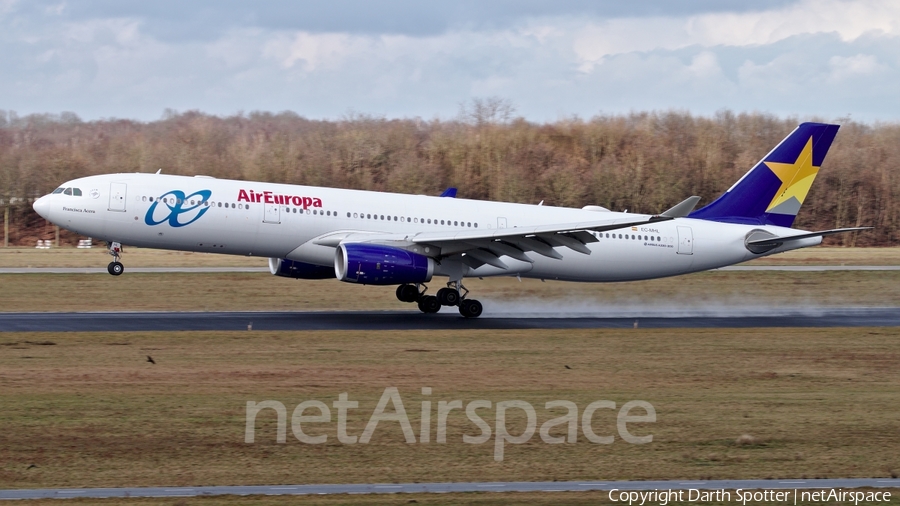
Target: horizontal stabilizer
{"type": "Point", "coordinates": [807, 236]}
{"type": "Point", "coordinates": [769, 243]}
{"type": "Point", "coordinates": [683, 209]}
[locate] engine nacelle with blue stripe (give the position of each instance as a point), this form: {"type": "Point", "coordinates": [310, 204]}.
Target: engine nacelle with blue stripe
{"type": "Point", "coordinates": [374, 264]}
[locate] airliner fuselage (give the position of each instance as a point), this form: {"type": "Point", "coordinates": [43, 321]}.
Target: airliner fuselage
{"type": "Point", "coordinates": [284, 221]}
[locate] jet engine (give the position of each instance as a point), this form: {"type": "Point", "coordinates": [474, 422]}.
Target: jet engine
{"type": "Point", "coordinates": [298, 270]}
{"type": "Point", "coordinates": [375, 264]}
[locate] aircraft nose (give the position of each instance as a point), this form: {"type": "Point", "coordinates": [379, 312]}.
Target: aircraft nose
{"type": "Point", "coordinates": [42, 207]}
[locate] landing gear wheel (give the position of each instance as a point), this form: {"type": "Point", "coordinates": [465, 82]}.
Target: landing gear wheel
{"type": "Point", "coordinates": [115, 268]}
{"type": "Point", "coordinates": [470, 308]}
{"type": "Point", "coordinates": [407, 293]}
{"type": "Point", "coordinates": [448, 297]}
{"type": "Point", "coordinates": [429, 304]}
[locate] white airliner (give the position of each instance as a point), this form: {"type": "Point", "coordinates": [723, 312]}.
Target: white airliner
{"type": "Point", "coordinates": [393, 239]}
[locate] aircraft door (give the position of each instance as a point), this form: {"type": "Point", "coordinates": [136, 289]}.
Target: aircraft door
{"type": "Point", "coordinates": [117, 196]}
{"type": "Point", "coordinates": [501, 222]}
{"type": "Point", "coordinates": [685, 241]}
{"type": "Point", "coordinates": [272, 213]}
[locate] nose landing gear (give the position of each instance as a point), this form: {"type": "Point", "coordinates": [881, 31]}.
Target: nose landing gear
{"type": "Point", "coordinates": [453, 295]}
{"type": "Point", "coordinates": [115, 267]}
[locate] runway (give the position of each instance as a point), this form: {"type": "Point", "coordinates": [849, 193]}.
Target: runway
{"type": "Point", "coordinates": [394, 488]}
{"type": "Point", "coordinates": [447, 320]}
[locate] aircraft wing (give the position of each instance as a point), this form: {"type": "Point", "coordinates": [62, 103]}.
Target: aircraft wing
{"type": "Point", "coordinates": [479, 247]}
{"type": "Point", "coordinates": [486, 246]}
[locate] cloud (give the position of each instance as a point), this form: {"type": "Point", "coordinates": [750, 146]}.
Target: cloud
{"type": "Point", "coordinates": [850, 20]}
{"type": "Point", "coordinates": [853, 66]}
{"type": "Point", "coordinates": [823, 58]}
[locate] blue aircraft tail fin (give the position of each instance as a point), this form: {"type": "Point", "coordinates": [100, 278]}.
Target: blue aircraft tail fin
{"type": "Point", "coordinates": [772, 192]}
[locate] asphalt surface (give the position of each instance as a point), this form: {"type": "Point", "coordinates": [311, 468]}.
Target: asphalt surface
{"type": "Point", "coordinates": [393, 488]}
{"type": "Point", "coordinates": [102, 270]}
{"type": "Point", "coordinates": [413, 320]}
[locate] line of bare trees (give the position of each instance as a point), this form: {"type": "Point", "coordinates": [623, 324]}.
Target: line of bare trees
{"type": "Point", "coordinates": [643, 162]}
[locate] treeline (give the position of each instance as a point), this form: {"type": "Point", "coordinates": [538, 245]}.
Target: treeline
{"type": "Point", "coordinates": [642, 162]}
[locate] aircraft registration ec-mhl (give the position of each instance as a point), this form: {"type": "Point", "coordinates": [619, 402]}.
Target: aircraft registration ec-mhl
{"type": "Point", "coordinates": [377, 238]}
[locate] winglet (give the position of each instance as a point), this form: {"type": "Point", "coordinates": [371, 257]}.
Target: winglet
{"type": "Point", "coordinates": [683, 209]}
{"type": "Point", "coordinates": [449, 192]}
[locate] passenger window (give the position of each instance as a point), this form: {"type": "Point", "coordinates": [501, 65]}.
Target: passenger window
{"type": "Point", "coordinates": [429, 221]}
{"type": "Point", "coordinates": [232, 205]}
{"type": "Point", "coordinates": [455, 223]}
{"type": "Point", "coordinates": [144, 199]}
{"type": "Point", "coordinates": [442, 222]}
{"type": "Point", "coordinates": [476, 225]}
{"type": "Point", "coordinates": [220, 204]}
{"type": "Point", "coordinates": [246, 206]}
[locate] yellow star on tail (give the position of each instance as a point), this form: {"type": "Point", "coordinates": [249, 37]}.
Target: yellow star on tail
{"type": "Point", "coordinates": [796, 178]}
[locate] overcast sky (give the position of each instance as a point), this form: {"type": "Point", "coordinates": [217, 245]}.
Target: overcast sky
{"type": "Point", "coordinates": [551, 59]}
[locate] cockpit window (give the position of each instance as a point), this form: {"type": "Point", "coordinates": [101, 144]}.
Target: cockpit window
{"type": "Point", "coordinates": [76, 192]}
{"type": "Point", "coordinates": [68, 191]}
{"type": "Point", "coordinates": [58, 190]}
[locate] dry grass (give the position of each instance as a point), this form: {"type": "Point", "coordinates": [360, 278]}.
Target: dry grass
{"type": "Point", "coordinates": [261, 291]}
{"type": "Point", "coordinates": [833, 256]}
{"type": "Point", "coordinates": [90, 411]}
{"type": "Point", "coordinates": [136, 257]}
{"type": "Point", "coordinates": [140, 257]}
{"type": "Point", "coordinates": [479, 499]}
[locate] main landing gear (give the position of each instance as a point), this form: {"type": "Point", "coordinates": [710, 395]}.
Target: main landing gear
{"type": "Point", "coordinates": [449, 296]}
{"type": "Point", "coordinates": [115, 267]}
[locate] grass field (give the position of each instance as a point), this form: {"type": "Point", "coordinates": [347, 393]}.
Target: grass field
{"type": "Point", "coordinates": [478, 499]}
{"type": "Point", "coordinates": [89, 410]}
{"type": "Point", "coordinates": [260, 291]}
{"type": "Point", "coordinates": [707, 291]}
{"type": "Point", "coordinates": [139, 257]}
